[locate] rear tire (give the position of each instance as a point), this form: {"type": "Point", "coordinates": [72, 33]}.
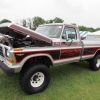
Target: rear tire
{"type": "Point", "coordinates": [35, 79]}
{"type": "Point", "coordinates": [95, 63]}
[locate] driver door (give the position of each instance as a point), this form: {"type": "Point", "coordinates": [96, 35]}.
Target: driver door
{"type": "Point", "coordinates": [71, 46]}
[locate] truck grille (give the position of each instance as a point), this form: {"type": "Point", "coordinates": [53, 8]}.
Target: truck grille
{"type": "Point", "coordinates": [1, 51]}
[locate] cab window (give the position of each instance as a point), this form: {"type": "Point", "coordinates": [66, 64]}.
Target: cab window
{"type": "Point", "coordinates": [68, 31]}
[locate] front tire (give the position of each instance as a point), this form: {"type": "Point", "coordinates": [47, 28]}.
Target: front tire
{"type": "Point", "coordinates": [35, 79]}
{"type": "Point", "coordinates": [95, 63]}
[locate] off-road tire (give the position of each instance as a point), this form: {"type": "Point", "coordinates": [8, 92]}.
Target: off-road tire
{"type": "Point", "coordinates": [95, 63]}
{"type": "Point", "coordinates": [35, 79]}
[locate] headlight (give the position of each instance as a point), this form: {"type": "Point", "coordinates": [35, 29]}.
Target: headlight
{"type": "Point", "coordinates": [7, 53]}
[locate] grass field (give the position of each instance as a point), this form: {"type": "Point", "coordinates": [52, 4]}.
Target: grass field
{"type": "Point", "coordinates": [68, 82]}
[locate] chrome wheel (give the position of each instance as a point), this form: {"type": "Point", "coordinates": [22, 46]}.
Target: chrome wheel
{"type": "Point", "coordinates": [95, 62]}
{"type": "Point", "coordinates": [37, 79]}
{"type": "Point", "coordinates": [98, 63]}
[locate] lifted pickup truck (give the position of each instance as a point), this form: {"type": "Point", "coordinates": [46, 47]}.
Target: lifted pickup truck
{"type": "Point", "coordinates": [33, 52]}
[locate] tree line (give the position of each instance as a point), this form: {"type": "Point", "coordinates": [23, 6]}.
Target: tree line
{"type": "Point", "coordinates": [33, 23]}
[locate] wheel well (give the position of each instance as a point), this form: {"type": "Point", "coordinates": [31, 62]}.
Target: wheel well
{"type": "Point", "coordinates": [39, 59]}
{"type": "Point", "coordinates": [98, 52]}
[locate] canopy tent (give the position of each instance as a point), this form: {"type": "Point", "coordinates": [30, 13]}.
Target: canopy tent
{"type": "Point", "coordinates": [93, 36]}
{"type": "Point", "coordinates": [96, 33]}
{"type": "Point", "coordinates": [84, 33]}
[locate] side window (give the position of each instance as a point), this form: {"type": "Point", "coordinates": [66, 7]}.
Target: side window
{"type": "Point", "coordinates": [68, 31]}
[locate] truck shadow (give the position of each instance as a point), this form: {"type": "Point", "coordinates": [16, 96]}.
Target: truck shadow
{"type": "Point", "coordinates": [68, 72]}
{"type": "Point", "coordinates": [72, 67]}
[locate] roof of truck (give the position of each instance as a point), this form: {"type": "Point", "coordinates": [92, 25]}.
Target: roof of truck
{"type": "Point", "coordinates": [59, 24]}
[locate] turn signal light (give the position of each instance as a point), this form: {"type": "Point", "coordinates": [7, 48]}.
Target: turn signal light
{"type": "Point", "coordinates": [9, 60]}
{"type": "Point", "coordinates": [18, 49]}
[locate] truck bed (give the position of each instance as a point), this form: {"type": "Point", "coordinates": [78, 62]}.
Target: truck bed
{"type": "Point", "coordinates": [90, 48]}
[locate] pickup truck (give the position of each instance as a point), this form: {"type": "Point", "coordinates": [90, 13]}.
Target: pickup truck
{"type": "Point", "coordinates": [32, 53]}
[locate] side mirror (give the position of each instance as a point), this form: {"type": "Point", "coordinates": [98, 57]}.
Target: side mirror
{"type": "Point", "coordinates": [83, 38]}
{"type": "Point", "coordinates": [71, 36]}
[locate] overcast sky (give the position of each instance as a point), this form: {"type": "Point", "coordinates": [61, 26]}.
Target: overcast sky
{"type": "Point", "coordinates": [81, 12]}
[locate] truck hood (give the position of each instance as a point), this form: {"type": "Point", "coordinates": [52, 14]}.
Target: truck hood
{"type": "Point", "coordinates": [6, 27]}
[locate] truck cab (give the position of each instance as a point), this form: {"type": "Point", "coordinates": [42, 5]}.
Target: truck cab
{"type": "Point", "coordinates": [67, 38]}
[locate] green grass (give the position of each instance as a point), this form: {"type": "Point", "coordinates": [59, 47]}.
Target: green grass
{"type": "Point", "coordinates": [68, 82]}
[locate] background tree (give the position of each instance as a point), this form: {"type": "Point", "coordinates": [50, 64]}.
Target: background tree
{"type": "Point", "coordinates": [24, 23]}
{"type": "Point", "coordinates": [90, 29]}
{"type": "Point", "coordinates": [50, 21]}
{"type": "Point", "coordinates": [58, 20]}
{"type": "Point", "coordinates": [55, 20]}
{"type": "Point", "coordinates": [97, 29]}
{"type": "Point", "coordinates": [83, 28]}
{"type": "Point", "coordinates": [29, 22]}
{"type": "Point", "coordinates": [4, 21]}
{"type": "Point", "coordinates": [37, 21]}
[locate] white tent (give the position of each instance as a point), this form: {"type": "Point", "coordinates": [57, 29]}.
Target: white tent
{"type": "Point", "coordinates": [96, 33]}
{"type": "Point", "coordinates": [93, 36]}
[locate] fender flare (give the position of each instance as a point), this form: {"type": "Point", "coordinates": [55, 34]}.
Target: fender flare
{"type": "Point", "coordinates": [36, 55]}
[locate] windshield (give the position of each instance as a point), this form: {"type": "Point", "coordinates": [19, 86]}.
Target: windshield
{"type": "Point", "coordinates": [52, 31]}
